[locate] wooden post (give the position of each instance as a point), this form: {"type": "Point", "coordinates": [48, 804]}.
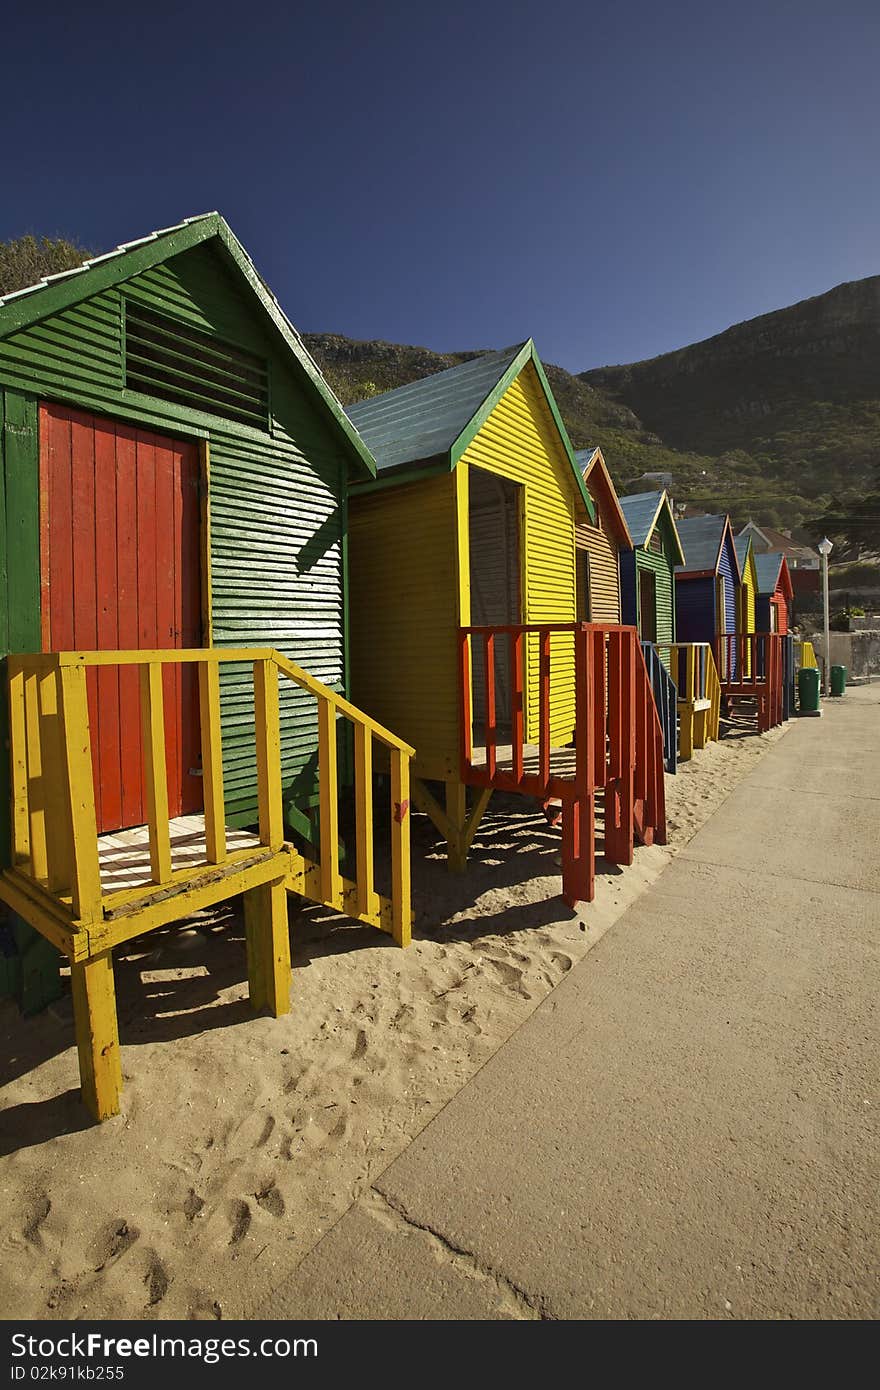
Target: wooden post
{"type": "Point", "coordinates": [401, 887]}
{"type": "Point", "coordinates": [491, 718]}
{"type": "Point", "coordinates": [363, 798]}
{"type": "Point", "coordinates": [55, 798]}
{"type": "Point", "coordinates": [36, 789]}
{"type": "Point", "coordinates": [516, 704]}
{"type": "Point", "coordinates": [18, 770]}
{"type": "Point", "coordinates": [268, 947]}
{"type": "Point", "coordinates": [80, 791]}
{"type": "Point", "coordinates": [544, 703]}
{"type": "Point", "coordinates": [465, 712]}
{"type": "Point", "coordinates": [212, 761]}
{"type": "Point", "coordinates": [456, 814]}
{"type": "Point", "coordinates": [328, 804]}
{"type": "Point", "coordinates": [155, 770]}
{"type": "Point", "coordinates": [97, 1035]}
{"type": "Point", "coordinates": [578, 853]}
{"type": "Point", "coordinates": [267, 726]}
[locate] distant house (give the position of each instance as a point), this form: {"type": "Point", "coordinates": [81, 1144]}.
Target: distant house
{"type": "Point", "coordinates": [765, 539]}
{"type": "Point", "coordinates": [651, 482]}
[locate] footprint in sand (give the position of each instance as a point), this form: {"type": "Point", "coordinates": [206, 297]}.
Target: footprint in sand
{"type": "Point", "coordinates": [340, 1128]}
{"type": "Point", "coordinates": [360, 1045]}
{"type": "Point", "coordinates": [111, 1243]}
{"type": "Point", "coordinates": [561, 961]}
{"type": "Point", "coordinates": [270, 1199]}
{"type": "Point", "coordinates": [192, 1205]}
{"type": "Point", "coordinates": [510, 974]}
{"type": "Point", "coordinates": [157, 1281]}
{"type": "Point", "coordinates": [38, 1214]}
{"type": "Point", "coordinates": [239, 1220]}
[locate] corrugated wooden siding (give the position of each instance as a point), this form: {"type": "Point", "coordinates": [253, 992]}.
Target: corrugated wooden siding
{"type": "Point", "coordinates": [695, 609]}
{"type": "Point", "coordinates": [727, 568]}
{"type": "Point", "coordinates": [650, 560]}
{"type": "Point", "coordinates": [520, 441]}
{"type": "Point", "coordinates": [604, 576]}
{"type": "Point", "coordinates": [746, 613]}
{"type": "Point", "coordinates": [404, 616]}
{"type": "Point", "coordinates": [19, 557]}
{"type": "Point", "coordinates": [276, 497]}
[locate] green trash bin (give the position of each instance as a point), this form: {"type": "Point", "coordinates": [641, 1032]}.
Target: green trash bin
{"type": "Point", "coordinates": [808, 689]}
{"type": "Point", "coordinates": [838, 680]}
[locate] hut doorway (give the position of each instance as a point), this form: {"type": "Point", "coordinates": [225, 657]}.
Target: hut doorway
{"type": "Point", "coordinates": [120, 570]}
{"type": "Point", "coordinates": [647, 605]}
{"type": "Point", "coordinates": [494, 507]}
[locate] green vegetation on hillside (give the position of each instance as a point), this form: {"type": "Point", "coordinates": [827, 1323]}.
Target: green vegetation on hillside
{"type": "Point", "coordinates": [28, 259]}
{"type": "Point", "coordinates": [733, 480]}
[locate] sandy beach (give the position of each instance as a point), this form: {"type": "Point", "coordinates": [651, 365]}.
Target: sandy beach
{"type": "Point", "coordinates": [243, 1139]}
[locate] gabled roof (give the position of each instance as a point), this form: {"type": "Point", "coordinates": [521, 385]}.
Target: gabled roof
{"type": "Point", "coordinates": [55, 293]}
{"type": "Point", "coordinates": [742, 544]}
{"type": "Point", "coordinates": [603, 492]}
{"type": "Point", "coordinates": [703, 539]}
{"type": "Point", "coordinates": [773, 574]}
{"type": "Point", "coordinates": [643, 511]}
{"type": "Point", "coordinates": [778, 540]}
{"type": "Point", "coordinates": [428, 424]}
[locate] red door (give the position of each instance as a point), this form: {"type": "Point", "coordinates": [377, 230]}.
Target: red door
{"type": "Point", "coordinates": [119, 541]}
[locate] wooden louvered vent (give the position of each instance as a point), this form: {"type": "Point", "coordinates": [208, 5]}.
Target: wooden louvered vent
{"type": "Point", "coordinates": [167, 358]}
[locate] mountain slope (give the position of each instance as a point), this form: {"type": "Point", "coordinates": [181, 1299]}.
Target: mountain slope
{"type": "Point", "coordinates": [773, 418]}
{"type": "Point", "coordinates": [592, 415]}
{"type": "Point", "coordinates": [797, 389]}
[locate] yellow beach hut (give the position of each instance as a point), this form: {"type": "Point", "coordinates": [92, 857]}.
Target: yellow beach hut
{"type": "Point", "coordinates": [747, 594]}
{"type": "Point", "coordinates": [470, 524]}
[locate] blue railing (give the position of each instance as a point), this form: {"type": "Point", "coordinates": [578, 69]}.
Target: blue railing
{"type": "Point", "coordinates": [666, 700]}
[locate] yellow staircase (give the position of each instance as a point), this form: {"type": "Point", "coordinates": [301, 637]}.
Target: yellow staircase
{"type": "Point", "coordinates": [65, 879]}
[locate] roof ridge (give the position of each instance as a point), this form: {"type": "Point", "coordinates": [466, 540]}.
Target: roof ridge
{"type": "Point", "coordinates": [119, 250]}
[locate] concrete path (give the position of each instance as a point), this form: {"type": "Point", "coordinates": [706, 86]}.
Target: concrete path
{"type": "Point", "coordinates": [687, 1127]}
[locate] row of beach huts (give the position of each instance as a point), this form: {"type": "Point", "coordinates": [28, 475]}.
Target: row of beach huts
{"type": "Point", "coordinates": [246, 631]}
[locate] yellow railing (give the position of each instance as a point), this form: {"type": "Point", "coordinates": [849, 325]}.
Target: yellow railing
{"type": "Point", "coordinates": [692, 667]}
{"type": "Point", "coordinates": [54, 826]}
{"type": "Point", "coordinates": [54, 881]}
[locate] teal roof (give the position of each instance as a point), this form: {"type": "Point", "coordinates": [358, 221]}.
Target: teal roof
{"type": "Point", "coordinates": [701, 538]}
{"type": "Point", "coordinates": [741, 545]}
{"type": "Point", "coordinates": [643, 510]}
{"type": "Point", "coordinates": [423, 419]}
{"type": "Point", "coordinates": [768, 567]}
{"type": "Point", "coordinates": [640, 510]}
{"type": "Point", "coordinates": [585, 456]}
{"type": "Point", "coordinates": [430, 423]}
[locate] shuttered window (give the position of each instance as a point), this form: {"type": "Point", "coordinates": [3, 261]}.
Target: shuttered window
{"type": "Point", "coordinates": [167, 358]}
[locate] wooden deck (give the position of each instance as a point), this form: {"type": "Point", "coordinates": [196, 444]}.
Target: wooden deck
{"type": "Point", "coordinates": [562, 760]}
{"type": "Point", "coordinates": [124, 856]}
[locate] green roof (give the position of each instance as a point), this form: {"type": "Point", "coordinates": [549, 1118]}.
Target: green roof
{"type": "Point", "coordinates": [643, 511]}
{"type": "Point", "coordinates": [427, 425]}
{"type": "Point", "coordinates": [57, 292]}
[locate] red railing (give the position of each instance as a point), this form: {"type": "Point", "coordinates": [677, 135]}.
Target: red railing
{"type": "Point", "coordinates": [750, 665]}
{"type": "Point", "coordinates": [614, 745]}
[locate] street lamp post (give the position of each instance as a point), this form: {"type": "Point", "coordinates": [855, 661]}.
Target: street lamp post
{"type": "Point", "coordinates": [825, 548]}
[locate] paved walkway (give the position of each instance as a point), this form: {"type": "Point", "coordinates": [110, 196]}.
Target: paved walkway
{"type": "Point", "coordinates": [687, 1127]}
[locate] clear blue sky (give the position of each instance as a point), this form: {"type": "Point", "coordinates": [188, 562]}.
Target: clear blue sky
{"type": "Point", "coordinates": [614, 179]}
